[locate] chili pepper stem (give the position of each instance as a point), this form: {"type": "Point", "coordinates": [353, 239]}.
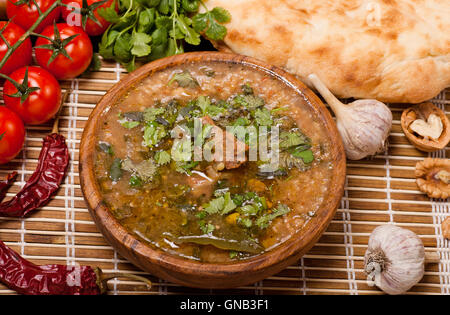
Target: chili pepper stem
{"type": "Point", "coordinates": [102, 279]}
{"type": "Point", "coordinates": [56, 122]}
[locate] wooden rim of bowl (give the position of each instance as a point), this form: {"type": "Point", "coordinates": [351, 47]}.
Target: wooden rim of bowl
{"type": "Point", "coordinates": [135, 250]}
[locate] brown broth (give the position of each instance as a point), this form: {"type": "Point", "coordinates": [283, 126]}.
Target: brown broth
{"type": "Point", "coordinates": [166, 208]}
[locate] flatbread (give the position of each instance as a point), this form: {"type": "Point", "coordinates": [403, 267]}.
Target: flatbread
{"type": "Point", "coordinates": [390, 50]}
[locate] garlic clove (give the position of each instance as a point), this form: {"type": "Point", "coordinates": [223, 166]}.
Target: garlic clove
{"type": "Point", "coordinates": [364, 125]}
{"type": "Point", "coordinates": [395, 259]}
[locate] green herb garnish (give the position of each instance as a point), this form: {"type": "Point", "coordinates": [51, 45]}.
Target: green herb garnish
{"type": "Point", "coordinates": [145, 170]}
{"type": "Point", "coordinates": [154, 29]}
{"type": "Point", "coordinates": [248, 101]}
{"type": "Point", "coordinates": [233, 254]}
{"type": "Point", "coordinates": [290, 139]}
{"type": "Point", "coordinates": [115, 171]}
{"type": "Point", "coordinates": [153, 134]}
{"type": "Point", "coordinates": [223, 205]}
{"type": "Point", "coordinates": [151, 113]}
{"type": "Point", "coordinates": [135, 181]}
{"type": "Point", "coordinates": [184, 79]}
{"type": "Point", "coordinates": [130, 124]}
{"type": "Point", "coordinates": [263, 221]}
{"type": "Point", "coordinates": [105, 147]}
{"type": "Point", "coordinates": [263, 117]}
{"type": "Point", "coordinates": [205, 227]}
{"type": "Point", "coordinates": [162, 157]}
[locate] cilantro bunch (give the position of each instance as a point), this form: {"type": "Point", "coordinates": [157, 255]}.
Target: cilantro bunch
{"type": "Point", "coordinates": [151, 29]}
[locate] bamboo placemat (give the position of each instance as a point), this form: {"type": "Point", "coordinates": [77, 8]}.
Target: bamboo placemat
{"type": "Point", "coordinates": [378, 190]}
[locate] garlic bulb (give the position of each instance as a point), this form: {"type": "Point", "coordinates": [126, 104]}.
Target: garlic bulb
{"type": "Point", "coordinates": [364, 125]}
{"type": "Point", "coordinates": [395, 259]}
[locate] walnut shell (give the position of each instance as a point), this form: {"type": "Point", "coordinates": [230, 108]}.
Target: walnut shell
{"type": "Point", "coordinates": [446, 228]}
{"type": "Point", "coordinates": [432, 177]}
{"type": "Point", "coordinates": [423, 111]}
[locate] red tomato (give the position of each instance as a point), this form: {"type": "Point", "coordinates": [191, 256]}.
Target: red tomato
{"type": "Point", "coordinates": [22, 55]}
{"type": "Point", "coordinates": [12, 135]}
{"type": "Point", "coordinates": [92, 28]}
{"type": "Point", "coordinates": [27, 13]}
{"type": "Point", "coordinates": [41, 105]}
{"type": "Point", "coordinates": [79, 49]}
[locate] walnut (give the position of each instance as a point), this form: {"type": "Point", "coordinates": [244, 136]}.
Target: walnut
{"type": "Point", "coordinates": [426, 127]}
{"type": "Point", "coordinates": [446, 228]}
{"type": "Point", "coordinates": [432, 177]}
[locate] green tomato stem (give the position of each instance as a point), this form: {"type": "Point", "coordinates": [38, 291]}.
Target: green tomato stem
{"type": "Point", "coordinates": [25, 36]}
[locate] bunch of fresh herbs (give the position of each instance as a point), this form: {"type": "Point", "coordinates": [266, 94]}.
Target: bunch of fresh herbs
{"type": "Point", "coordinates": [152, 29]}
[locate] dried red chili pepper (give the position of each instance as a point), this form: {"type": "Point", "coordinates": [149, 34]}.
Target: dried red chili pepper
{"type": "Point", "coordinates": [5, 184]}
{"type": "Point", "coordinates": [46, 179]}
{"type": "Point", "coordinates": [27, 278]}
{"type": "Point", "coordinates": [44, 182]}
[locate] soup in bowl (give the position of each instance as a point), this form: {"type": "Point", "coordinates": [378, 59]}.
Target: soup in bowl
{"type": "Point", "coordinates": [210, 169]}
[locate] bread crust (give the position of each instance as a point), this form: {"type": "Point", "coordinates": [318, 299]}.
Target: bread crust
{"type": "Point", "coordinates": [395, 51]}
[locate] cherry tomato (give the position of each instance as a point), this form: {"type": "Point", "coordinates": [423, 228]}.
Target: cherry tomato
{"type": "Point", "coordinates": [25, 14]}
{"type": "Point", "coordinates": [22, 55]}
{"type": "Point", "coordinates": [79, 49]}
{"type": "Point", "coordinates": [91, 27]}
{"type": "Point", "coordinates": [12, 135]}
{"type": "Point", "coordinates": [40, 105]}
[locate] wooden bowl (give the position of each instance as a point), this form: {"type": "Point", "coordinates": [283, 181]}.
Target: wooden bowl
{"type": "Point", "coordinates": [193, 273]}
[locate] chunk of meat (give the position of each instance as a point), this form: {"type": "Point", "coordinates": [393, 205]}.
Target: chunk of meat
{"type": "Point", "coordinates": [239, 148]}
{"type": "Point", "coordinates": [202, 184]}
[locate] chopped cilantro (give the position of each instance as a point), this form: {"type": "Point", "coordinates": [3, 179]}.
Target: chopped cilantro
{"type": "Point", "coordinates": [135, 181]}
{"type": "Point", "coordinates": [184, 79]}
{"type": "Point", "coordinates": [292, 138]}
{"type": "Point", "coordinates": [130, 124]}
{"type": "Point", "coordinates": [250, 209]}
{"type": "Point", "coordinates": [146, 169]}
{"type": "Point", "coordinates": [245, 222]}
{"type": "Point", "coordinates": [229, 205]}
{"type": "Point", "coordinates": [241, 121]}
{"type": "Point", "coordinates": [248, 101]}
{"type": "Point", "coordinates": [215, 205]}
{"type": "Point", "coordinates": [153, 134]}
{"type": "Point", "coordinates": [151, 113]}
{"type": "Point", "coordinates": [201, 215]}
{"type": "Point", "coordinates": [115, 171]}
{"type": "Point", "coordinates": [205, 227]}
{"type": "Point", "coordinates": [263, 117]}
{"type": "Point", "coordinates": [247, 89]}
{"type": "Point", "coordinates": [233, 254]}
{"type": "Point", "coordinates": [185, 167]}
{"type": "Point", "coordinates": [305, 154]}
{"type": "Point", "coordinates": [105, 147]}
{"type": "Point", "coordinates": [208, 109]}
{"type": "Point", "coordinates": [162, 157]}
{"type": "Point", "coordinates": [263, 221]}
{"type": "Point", "coordinates": [182, 150]}
{"type": "Point", "coordinates": [208, 23]}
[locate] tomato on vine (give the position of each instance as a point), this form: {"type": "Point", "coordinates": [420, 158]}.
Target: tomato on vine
{"type": "Point", "coordinates": [88, 16]}
{"type": "Point", "coordinates": [33, 94]}
{"type": "Point", "coordinates": [10, 34]}
{"type": "Point", "coordinates": [25, 12]}
{"type": "Point", "coordinates": [12, 135]}
{"type": "Point", "coordinates": [65, 51]}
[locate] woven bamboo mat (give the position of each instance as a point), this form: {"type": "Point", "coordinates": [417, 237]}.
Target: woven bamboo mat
{"type": "Point", "coordinates": [378, 191]}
